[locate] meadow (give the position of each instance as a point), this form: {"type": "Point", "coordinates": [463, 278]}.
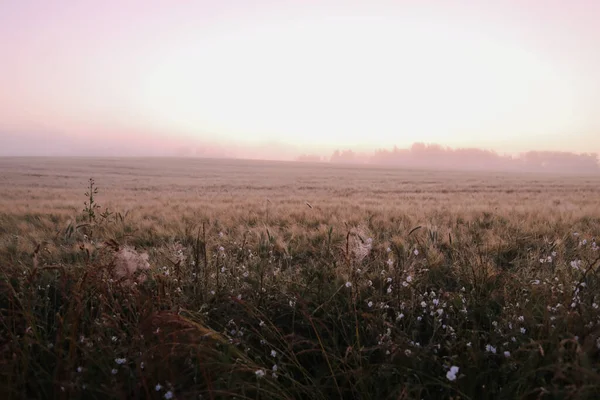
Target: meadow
{"type": "Point", "coordinates": [217, 279]}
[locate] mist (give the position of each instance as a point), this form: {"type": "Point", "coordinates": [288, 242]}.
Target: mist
{"type": "Point", "coordinates": [435, 156]}
{"type": "Point", "coordinates": [416, 156]}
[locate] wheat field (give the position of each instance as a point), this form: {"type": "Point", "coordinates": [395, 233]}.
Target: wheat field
{"type": "Point", "coordinates": [198, 278]}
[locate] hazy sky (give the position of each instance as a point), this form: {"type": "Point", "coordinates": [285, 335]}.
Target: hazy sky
{"type": "Point", "coordinates": [300, 76]}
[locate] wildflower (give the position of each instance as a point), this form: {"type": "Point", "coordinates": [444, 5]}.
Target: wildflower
{"type": "Point", "coordinates": [521, 318]}
{"type": "Point", "coordinates": [369, 283]}
{"type": "Point", "coordinates": [260, 373]}
{"type": "Point", "coordinates": [423, 304]}
{"type": "Point", "coordinates": [469, 344]}
{"type": "Point", "coordinates": [370, 304]}
{"type": "Point", "coordinates": [399, 317]}
{"type": "Point", "coordinates": [416, 252]}
{"type": "Point", "coordinates": [142, 365]}
{"type": "Point", "coordinates": [595, 306]}
{"type": "Point", "coordinates": [523, 330]}
{"type": "Point", "coordinates": [79, 369]}
{"type": "Point", "coordinates": [221, 248]}
{"type": "Point", "coordinates": [273, 353]}
{"type": "Point", "coordinates": [389, 290]}
{"type": "Point", "coordinates": [348, 284]}
{"type": "Point", "coordinates": [390, 262]}
{"type": "Point", "coordinates": [490, 349]}
{"type": "Point", "coordinates": [451, 375]}
{"type": "Point", "coordinates": [275, 368]}
{"type": "Point", "coordinates": [168, 395]}
{"type": "Point", "coordinates": [388, 250]}
{"type": "Point", "coordinates": [114, 371]}
{"type": "Point", "coordinates": [409, 279]}
{"type": "Point", "coordinates": [114, 339]}
{"type": "Point", "coordinates": [535, 282]}
{"type": "Point", "coordinates": [120, 361]}
{"type": "Point", "coordinates": [576, 264]}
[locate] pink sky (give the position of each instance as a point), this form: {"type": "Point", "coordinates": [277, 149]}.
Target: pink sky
{"type": "Point", "coordinates": [278, 78]}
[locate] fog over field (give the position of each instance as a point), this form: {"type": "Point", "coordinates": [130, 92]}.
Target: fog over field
{"type": "Point", "coordinates": [292, 199]}
{"type": "Point", "coordinates": [418, 155]}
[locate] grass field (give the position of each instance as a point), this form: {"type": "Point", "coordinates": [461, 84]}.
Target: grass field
{"type": "Point", "coordinates": [269, 280]}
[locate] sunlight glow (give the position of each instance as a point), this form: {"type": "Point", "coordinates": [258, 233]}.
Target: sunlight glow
{"type": "Point", "coordinates": [354, 81]}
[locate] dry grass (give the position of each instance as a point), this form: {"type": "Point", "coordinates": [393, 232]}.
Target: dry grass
{"type": "Point", "coordinates": [356, 283]}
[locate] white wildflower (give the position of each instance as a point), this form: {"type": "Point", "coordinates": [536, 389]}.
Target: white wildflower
{"type": "Point", "coordinates": [451, 375]}
{"type": "Point", "coordinates": [490, 349]}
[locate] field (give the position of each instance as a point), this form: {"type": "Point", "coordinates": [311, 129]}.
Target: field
{"type": "Point", "coordinates": [188, 278]}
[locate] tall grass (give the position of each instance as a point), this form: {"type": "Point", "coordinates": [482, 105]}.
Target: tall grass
{"type": "Point", "coordinates": [346, 304]}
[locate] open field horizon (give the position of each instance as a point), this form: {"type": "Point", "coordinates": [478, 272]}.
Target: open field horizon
{"type": "Point", "coordinates": [436, 236]}
{"type": "Point", "coordinates": [199, 278]}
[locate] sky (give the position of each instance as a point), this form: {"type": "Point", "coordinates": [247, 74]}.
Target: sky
{"type": "Point", "coordinates": [277, 78]}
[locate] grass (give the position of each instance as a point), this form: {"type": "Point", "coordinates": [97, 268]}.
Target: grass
{"type": "Point", "coordinates": [294, 281]}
